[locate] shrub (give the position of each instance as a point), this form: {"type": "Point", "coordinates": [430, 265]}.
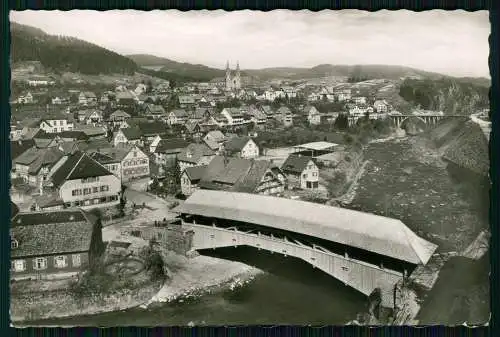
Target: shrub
{"type": "Point", "coordinates": [173, 204]}
{"type": "Point", "coordinates": [153, 262]}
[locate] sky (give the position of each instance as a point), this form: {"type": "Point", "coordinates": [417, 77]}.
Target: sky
{"type": "Point", "coordinates": [449, 42]}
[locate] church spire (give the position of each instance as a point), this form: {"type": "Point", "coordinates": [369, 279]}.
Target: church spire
{"type": "Point", "coordinates": [237, 66]}
{"type": "Point", "coordinates": [227, 65]}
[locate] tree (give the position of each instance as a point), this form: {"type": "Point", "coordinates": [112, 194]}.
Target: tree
{"type": "Point", "coordinates": [73, 99]}
{"type": "Point", "coordinates": [341, 122]}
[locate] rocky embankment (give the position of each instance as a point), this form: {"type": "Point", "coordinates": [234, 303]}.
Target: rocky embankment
{"type": "Point", "coordinates": [35, 306]}
{"type": "Point", "coordinates": [463, 143]}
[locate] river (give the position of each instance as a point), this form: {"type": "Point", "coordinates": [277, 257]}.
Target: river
{"type": "Point", "coordinates": [291, 292]}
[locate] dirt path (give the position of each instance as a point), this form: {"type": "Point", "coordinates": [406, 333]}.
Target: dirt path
{"type": "Point", "coordinates": [350, 194]}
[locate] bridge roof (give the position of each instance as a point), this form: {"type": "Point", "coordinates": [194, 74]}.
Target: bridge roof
{"type": "Point", "coordinates": [385, 236]}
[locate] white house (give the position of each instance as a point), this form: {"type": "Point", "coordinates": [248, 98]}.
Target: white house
{"type": "Point", "coordinates": [87, 98]}
{"type": "Point", "coordinates": [190, 178]}
{"type": "Point", "coordinates": [359, 100]}
{"type": "Point", "coordinates": [56, 124]}
{"type": "Point", "coordinates": [232, 116]}
{"type": "Point", "coordinates": [284, 116]}
{"type": "Point", "coordinates": [194, 155]}
{"type": "Point", "coordinates": [289, 92]}
{"type": "Point", "coordinates": [312, 114]}
{"type": "Point", "coordinates": [82, 182]}
{"type": "Point", "coordinates": [301, 172]}
{"type": "Point", "coordinates": [241, 147]}
{"type": "Point", "coordinates": [343, 95]}
{"type": "Point", "coordinates": [177, 117]}
{"type": "Point", "coordinates": [381, 106]}
{"type": "Point", "coordinates": [127, 162]}
{"type": "Point", "coordinates": [26, 99]}
{"type": "Point", "coordinates": [118, 118]}
{"type": "Point", "coordinates": [128, 136]}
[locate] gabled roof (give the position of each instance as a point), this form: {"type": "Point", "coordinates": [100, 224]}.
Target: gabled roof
{"type": "Point", "coordinates": [179, 113]}
{"type": "Point", "coordinates": [152, 129]}
{"type": "Point", "coordinates": [234, 174]}
{"type": "Point", "coordinates": [195, 172]}
{"type": "Point", "coordinates": [194, 152]}
{"type": "Point", "coordinates": [172, 145]}
{"type": "Point", "coordinates": [52, 232]}
{"type": "Point", "coordinates": [30, 122]}
{"type": "Point", "coordinates": [373, 233]}
{"type": "Point", "coordinates": [104, 158]}
{"type": "Point", "coordinates": [211, 144]}
{"type": "Point", "coordinates": [216, 135]}
{"type": "Point", "coordinates": [117, 153]}
{"type": "Point", "coordinates": [132, 133]}
{"type": "Point", "coordinates": [186, 100]}
{"type": "Point", "coordinates": [249, 182]}
{"type": "Point", "coordinates": [295, 163]}
{"type": "Point", "coordinates": [119, 114]}
{"type": "Point", "coordinates": [284, 110]}
{"type": "Point", "coordinates": [234, 112]}
{"type": "Point", "coordinates": [155, 109]}
{"type": "Point", "coordinates": [46, 157]}
{"type": "Point", "coordinates": [18, 147]}
{"type": "Point", "coordinates": [223, 173]}
{"type": "Point", "coordinates": [14, 209]}
{"type": "Point", "coordinates": [236, 144]}
{"type": "Point", "coordinates": [191, 126]}
{"type": "Point", "coordinates": [199, 113]}
{"type": "Point", "coordinates": [74, 134]}
{"type": "Point", "coordinates": [77, 166]}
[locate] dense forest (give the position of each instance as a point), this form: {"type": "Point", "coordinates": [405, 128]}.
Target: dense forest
{"type": "Point", "coordinates": [452, 96]}
{"type": "Point", "coordinates": [197, 72]}
{"type": "Point", "coordinates": [60, 53]}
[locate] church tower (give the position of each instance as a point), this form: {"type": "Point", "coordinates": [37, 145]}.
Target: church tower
{"type": "Point", "coordinates": [237, 79]}
{"type": "Point", "coordinates": [228, 77]}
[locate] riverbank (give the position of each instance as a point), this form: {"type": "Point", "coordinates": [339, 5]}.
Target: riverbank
{"type": "Point", "coordinates": [29, 307]}
{"type": "Point", "coordinates": [195, 275]}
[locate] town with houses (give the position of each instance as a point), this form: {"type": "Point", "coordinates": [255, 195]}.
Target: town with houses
{"type": "Point", "coordinates": [112, 138]}
{"type": "Point", "coordinates": [93, 166]}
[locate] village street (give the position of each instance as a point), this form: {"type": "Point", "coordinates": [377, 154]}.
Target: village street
{"type": "Point", "coordinates": [155, 209]}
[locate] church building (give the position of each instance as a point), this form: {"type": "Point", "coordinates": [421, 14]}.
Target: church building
{"type": "Point", "coordinates": [233, 82]}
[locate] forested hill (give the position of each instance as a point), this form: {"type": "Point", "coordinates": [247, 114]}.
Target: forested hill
{"type": "Point", "coordinates": [450, 95]}
{"type": "Point", "coordinates": [60, 53]}
{"type": "Point", "coordinates": [197, 72]}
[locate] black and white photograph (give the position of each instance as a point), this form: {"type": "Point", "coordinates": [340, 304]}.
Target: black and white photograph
{"type": "Point", "coordinates": [200, 168]}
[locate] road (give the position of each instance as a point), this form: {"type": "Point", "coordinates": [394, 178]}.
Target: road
{"type": "Point", "coordinates": [156, 209]}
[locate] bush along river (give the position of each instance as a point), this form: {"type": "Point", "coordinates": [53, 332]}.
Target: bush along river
{"type": "Point", "coordinates": [404, 179]}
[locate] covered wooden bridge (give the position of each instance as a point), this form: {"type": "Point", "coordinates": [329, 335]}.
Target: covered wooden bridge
{"type": "Point", "coordinates": [364, 251]}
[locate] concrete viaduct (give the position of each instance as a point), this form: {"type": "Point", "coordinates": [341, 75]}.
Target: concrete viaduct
{"type": "Point", "coordinates": [398, 120]}
{"type": "Point", "coordinates": [364, 251]}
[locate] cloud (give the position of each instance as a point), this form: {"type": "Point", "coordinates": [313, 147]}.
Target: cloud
{"type": "Point", "coordinates": [452, 42]}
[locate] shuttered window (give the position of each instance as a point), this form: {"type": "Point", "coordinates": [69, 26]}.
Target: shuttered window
{"type": "Point", "coordinates": [40, 263]}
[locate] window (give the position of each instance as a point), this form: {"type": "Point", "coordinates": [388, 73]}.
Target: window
{"type": "Point", "coordinates": [76, 192]}
{"type": "Point", "coordinates": [104, 188]}
{"type": "Point", "coordinates": [135, 154]}
{"type": "Point", "coordinates": [14, 244]}
{"type": "Point", "coordinates": [315, 174]}
{"type": "Point", "coordinates": [60, 261]}
{"type": "Point", "coordinates": [76, 260]}
{"type": "Point", "coordinates": [87, 191]}
{"type": "Point", "coordinates": [18, 265]}
{"type": "Point", "coordinates": [308, 184]}
{"type": "Point", "coordinates": [304, 175]}
{"type": "Point", "coordinates": [40, 263]}
{"type": "Point", "coordinates": [95, 189]}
